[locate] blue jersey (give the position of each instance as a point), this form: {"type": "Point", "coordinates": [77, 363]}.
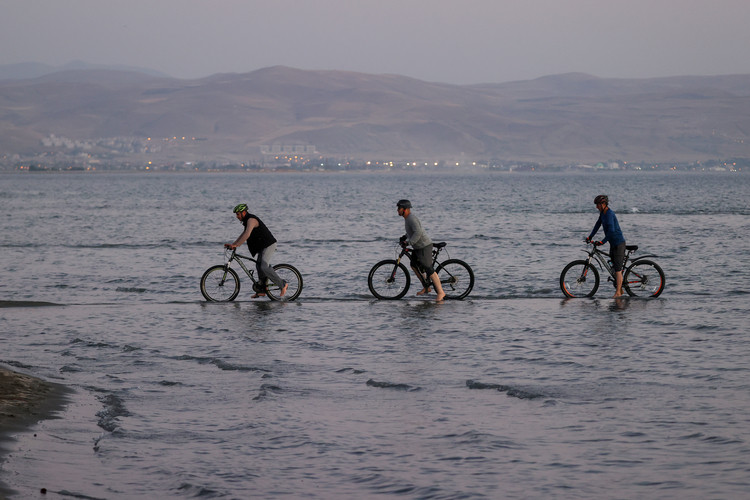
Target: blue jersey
{"type": "Point", "coordinates": [612, 231]}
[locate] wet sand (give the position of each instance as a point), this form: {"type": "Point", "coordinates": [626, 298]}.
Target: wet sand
{"type": "Point", "coordinates": [24, 401]}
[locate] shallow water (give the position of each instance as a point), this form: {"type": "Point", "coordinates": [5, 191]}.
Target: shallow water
{"type": "Point", "coordinates": [514, 392]}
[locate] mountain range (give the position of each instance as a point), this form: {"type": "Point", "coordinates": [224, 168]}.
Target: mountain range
{"type": "Point", "coordinates": [234, 117]}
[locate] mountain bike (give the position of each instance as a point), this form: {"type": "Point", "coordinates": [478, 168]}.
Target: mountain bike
{"type": "Point", "coordinates": [221, 283]}
{"type": "Point", "coordinates": [641, 277]}
{"type": "Point", "coordinates": [389, 279]}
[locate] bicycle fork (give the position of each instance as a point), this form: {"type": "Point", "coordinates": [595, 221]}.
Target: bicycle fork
{"type": "Point", "coordinates": [224, 276]}
{"type": "Point", "coordinates": [585, 272]}
{"type": "Point", "coordinates": [392, 277]}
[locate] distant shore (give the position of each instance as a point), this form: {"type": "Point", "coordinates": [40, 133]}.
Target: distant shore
{"type": "Point", "coordinates": [24, 401]}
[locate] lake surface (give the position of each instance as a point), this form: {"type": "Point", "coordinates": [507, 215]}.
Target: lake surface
{"type": "Point", "coordinates": [514, 392]}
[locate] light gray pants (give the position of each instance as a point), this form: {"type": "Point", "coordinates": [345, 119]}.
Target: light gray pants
{"type": "Point", "coordinates": [264, 266]}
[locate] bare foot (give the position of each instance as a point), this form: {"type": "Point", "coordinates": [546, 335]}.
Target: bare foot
{"type": "Point", "coordinates": [424, 291]}
{"type": "Point", "coordinates": [440, 297]}
{"type": "Point", "coordinates": [256, 295]}
{"type": "Point", "coordinates": [283, 290]}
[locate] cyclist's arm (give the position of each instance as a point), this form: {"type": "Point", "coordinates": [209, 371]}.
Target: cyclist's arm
{"type": "Point", "coordinates": [596, 228]}
{"type": "Point", "coordinates": [251, 224]}
{"type": "Point", "coordinates": [415, 233]}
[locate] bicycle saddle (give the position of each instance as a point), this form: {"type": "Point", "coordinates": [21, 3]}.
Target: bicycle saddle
{"type": "Point", "coordinates": [439, 245]}
{"type": "Point", "coordinates": [631, 248]}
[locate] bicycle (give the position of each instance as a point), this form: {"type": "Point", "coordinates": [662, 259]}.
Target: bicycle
{"type": "Point", "coordinates": [389, 279]}
{"type": "Point", "coordinates": [221, 283]}
{"type": "Point", "coordinates": [641, 278]}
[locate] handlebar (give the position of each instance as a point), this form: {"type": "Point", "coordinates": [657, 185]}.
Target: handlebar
{"type": "Point", "coordinates": [592, 242]}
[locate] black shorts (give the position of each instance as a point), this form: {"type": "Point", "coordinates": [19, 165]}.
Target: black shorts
{"type": "Point", "coordinates": [617, 255]}
{"type": "Point", "coordinates": [422, 259]}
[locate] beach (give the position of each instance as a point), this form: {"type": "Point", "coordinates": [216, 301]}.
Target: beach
{"type": "Point", "coordinates": [24, 401]}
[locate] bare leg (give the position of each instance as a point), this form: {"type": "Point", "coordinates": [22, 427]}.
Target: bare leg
{"type": "Point", "coordinates": [425, 286]}
{"type": "Point", "coordinates": [618, 282]}
{"type": "Point", "coordinates": [438, 287]}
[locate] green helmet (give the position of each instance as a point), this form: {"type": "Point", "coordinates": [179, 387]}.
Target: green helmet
{"type": "Point", "coordinates": [240, 208]}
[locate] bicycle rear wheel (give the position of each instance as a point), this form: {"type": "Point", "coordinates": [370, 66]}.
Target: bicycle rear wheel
{"type": "Point", "coordinates": [644, 279]}
{"type": "Point", "coordinates": [579, 279]}
{"type": "Point", "coordinates": [456, 277]}
{"type": "Point", "coordinates": [220, 284]}
{"type": "Point", "coordinates": [292, 277]}
{"type": "Point", "coordinates": [388, 280]}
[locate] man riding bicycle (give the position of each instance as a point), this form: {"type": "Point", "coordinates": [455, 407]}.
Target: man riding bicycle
{"type": "Point", "coordinates": [613, 234]}
{"type": "Point", "coordinates": [260, 241]}
{"type": "Point", "coordinates": [421, 259]}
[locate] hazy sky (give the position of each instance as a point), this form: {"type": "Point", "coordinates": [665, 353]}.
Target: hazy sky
{"type": "Point", "coordinates": [462, 41]}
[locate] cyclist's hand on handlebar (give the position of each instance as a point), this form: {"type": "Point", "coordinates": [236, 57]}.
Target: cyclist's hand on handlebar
{"type": "Point", "coordinates": [231, 246]}
{"type": "Point", "coordinates": [598, 243]}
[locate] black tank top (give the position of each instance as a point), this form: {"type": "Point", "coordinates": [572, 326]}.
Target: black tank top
{"type": "Point", "coordinates": [261, 236]}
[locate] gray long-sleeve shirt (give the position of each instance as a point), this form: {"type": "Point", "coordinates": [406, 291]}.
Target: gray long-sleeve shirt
{"type": "Point", "coordinates": [417, 236]}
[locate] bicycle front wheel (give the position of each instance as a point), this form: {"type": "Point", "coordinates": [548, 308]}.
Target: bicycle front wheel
{"type": "Point", "coordinates": [220, 284]}
{"type": "Point", "coordinates": [388, 280]}
{"type": "Point", "coordinates": [293, 279]}
{"type": "Point", "coordinates": [456, 277]}
{"type": "Point", "coordinates": [644, 279]}
{"type": "Point", "coordinates": [579, 279]}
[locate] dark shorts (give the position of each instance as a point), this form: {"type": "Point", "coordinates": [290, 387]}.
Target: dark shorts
{"type": "Point", "coordinates": [422, 259]}
{"type": "Point", "coordinates": [617, 254]}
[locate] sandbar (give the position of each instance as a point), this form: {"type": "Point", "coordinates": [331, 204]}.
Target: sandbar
{"type": "Point", "coordinates": [24, 401]}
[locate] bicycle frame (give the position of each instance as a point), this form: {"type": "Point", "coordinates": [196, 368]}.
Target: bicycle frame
{"type": "Point", "coordinates": [602, 258]}
{"type": "Point", "coordinates": [406, 250]}
{"type": "Point", "coordinates": [236, 257]}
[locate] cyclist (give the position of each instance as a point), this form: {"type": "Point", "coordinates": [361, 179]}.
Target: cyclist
{"type": "Point", "coordinates": [421, 260]}
{"type": "Point", "coordinates": [613, 234]}
{"type": "Point", "coordinates": [260, 241]}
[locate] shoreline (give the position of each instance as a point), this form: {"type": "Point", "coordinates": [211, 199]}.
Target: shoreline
{"type": "Point", "coordinates": [24, 401]}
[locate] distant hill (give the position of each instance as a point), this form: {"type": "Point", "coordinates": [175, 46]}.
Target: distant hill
{"type": "Point", "coordinates": [22, 71]}
{"type": "Point", "coordinates": [562, 118]}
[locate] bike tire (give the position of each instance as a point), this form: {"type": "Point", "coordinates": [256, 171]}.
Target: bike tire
{"type": "Point", "coordinates": [644, 278]}
{"type": "Point", "coordinates": [456, 277]}
{"type": "Point", "coordinates": [576, 279]}
{"type": "Point", "coordinates": [220, 284]}
{"type": "Point", "coordinates": [388, 280]}
{"type": "Point", "coordinates": [292, 276]}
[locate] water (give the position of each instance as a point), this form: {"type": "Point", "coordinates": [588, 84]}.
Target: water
{"type": "Point", "coordinates": [512, 393]}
